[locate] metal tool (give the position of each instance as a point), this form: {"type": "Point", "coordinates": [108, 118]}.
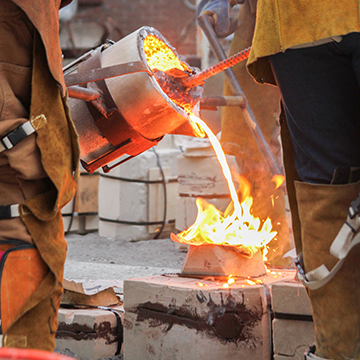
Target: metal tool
{"type": "Point", "coordinates": [199, 78]}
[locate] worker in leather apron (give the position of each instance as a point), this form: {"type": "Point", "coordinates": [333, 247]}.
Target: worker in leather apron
{"type": "Point", "coordinates": [236, 136]}
{"type": "Point", "coordinates": [311, 50]}
{"type": "Point", "coordinates": [39, 158]}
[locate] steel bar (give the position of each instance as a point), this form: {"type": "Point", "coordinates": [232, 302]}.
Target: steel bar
{"type": "Point", "coordinates": [236, 89]}
{"type": "Point", "coordinates": [84, 77]}
{"type": "Point", "coordinates": [80, 93]}
{"type": "Point", "coordinates": [199, 78]}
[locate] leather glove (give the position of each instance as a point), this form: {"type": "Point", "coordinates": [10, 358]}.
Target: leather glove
{"type": "Point", "coordinates": [219, 10]}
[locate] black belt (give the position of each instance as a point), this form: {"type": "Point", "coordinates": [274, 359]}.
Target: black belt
{"type": "Point", "coordinates": [9, 211]}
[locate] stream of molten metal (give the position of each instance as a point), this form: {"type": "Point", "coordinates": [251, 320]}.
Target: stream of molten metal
{"type": "Point", "coordinates": [237, 227]}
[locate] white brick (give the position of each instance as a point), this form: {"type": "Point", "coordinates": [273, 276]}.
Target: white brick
{"type": "Point", "coordinates": [130, 201]}
{"type": "Point", "coordinates": [157, 197]}
{"type": "Point", "coordinates": [202, 175]}
{"type": "Point", "coordinates": [290, 297]}
{"type": "Point", "coordinates": [195, 319]}
{"type": "Point", "coordinates": [137, 168]}
{"type": "Point", "coordinates": [292, 337]}
{"type": "Point", "coordinates": [214, 260]}
{"type": "Point", "coordinates": [86, 202]}
{"type": "Point", "coordinates": [81, 224]}
{"type": "Point", "coordinates": [88, 333]}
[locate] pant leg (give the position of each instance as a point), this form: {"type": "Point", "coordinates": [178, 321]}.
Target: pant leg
{"type": "Point", "coordinates": [321, 93]}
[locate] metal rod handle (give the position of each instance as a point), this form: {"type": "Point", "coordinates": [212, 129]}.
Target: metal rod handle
{"type": "Point", "coordinates": [199, 78]}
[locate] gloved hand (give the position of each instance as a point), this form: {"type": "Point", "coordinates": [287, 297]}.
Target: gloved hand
{"type": "Point", "coordinates": [220, 11]}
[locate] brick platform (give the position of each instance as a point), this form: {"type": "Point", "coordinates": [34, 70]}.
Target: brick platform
{"type": "Point", "coordinates": [90, 333]}
{"type": "Point", "coordinates": [172, 317]}
{"type": "Point", "coordinates": [293, 329]}
{"type": "Point", "coordinates": [184, 318]}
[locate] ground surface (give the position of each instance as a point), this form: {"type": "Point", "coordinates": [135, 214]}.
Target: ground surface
{"type": "Point", "coordinates": [93, 257]}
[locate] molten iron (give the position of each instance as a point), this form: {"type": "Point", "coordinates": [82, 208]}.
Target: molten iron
{"type": "Point", "coordinates": [168, 69]}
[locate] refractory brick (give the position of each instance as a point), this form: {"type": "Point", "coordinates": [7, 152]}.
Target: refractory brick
{"type": "Point", "coordinates": [174, 318]}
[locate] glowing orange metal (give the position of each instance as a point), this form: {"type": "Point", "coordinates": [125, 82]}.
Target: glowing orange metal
{"type": "Point", "coordinates": [237, 227]}
{"type": "Point", "coordinates": [160, 56]}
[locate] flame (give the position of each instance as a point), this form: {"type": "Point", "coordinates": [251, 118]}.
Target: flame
{"type": "Point", "coordinates": [237, 227]}
{"type": "Point", "coordinates": [231, 281]}
{"type": "Point", "coordinates": [253, 282]}
{"type": "Point", "coordinates": [278, 180]}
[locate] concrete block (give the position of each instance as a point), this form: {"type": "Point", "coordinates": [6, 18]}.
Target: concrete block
{"type": "Point", "coordinates": [86, 198]}
{"type": "Point", "coordinates": [88, 333]}
{"type": "Point", "coordinates": [168, 142]}
{"type": "Point", "coordinates": [176, 318]}
{"type": "Point", "coordinates": [291, 338]}
{"type": "Point", "coordinates": [186, 210]}
{"type": "Point", "coordinates": [80, 223]}
{"type": "Point", "coordinates": [137, 168]}
{"type": "Point", "coordinates": [122, 200]}
{"type": "Point", "coordinates": [83, 209]}
{"type": "Point", "coordinates": [290, 297]}
{"type": "Point", "coordinates": [127, 202]}
{"type": "Point", "coordinates": [214, 260]}
{"type": "Point", "coordinates": [293, 330]}
{"type": "Point", "coordinates": [299, 355]}
{"type": "Point", "coordinates": [156, 202]}
{"type": "Point", "coordinates": [202, 175]}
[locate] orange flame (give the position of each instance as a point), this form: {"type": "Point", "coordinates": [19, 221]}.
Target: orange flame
{"type": "Point", "coordinates": [278, 180]}
{"type": "Point", "coordinates": [229, 282]}
{"type": "Point", "coordinates": [238, 227]}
